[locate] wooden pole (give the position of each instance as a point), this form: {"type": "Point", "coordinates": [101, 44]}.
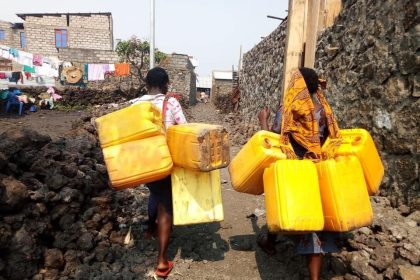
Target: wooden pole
{"type": "Point", "coordinates": [328, 11]}
{"type": "Point", "coordinates": [295, 38]}
{"type": "Point", "coordinates": [311, 30]}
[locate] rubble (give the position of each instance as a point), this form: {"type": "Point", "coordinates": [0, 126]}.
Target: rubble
{"type": "Point", "coordinates": [61, 220]}
{"type": "Point", "coordinates": [59, 217]}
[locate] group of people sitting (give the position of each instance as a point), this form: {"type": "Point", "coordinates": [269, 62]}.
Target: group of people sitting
{"type": "Point", "coordinates": [45, 100]}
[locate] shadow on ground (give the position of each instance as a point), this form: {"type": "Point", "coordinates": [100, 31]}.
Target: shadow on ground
{"type": "Point", "coordinates": [198, 243]}
{"type": "Point", "coordinates": [285, 264]}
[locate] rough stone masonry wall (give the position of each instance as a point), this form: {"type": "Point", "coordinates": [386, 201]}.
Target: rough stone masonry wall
{"type": "Point", "coordinates": [181, 75]}
{"type": "Point", "coordinates": [261, 79]}
{"type": "Point", "coordinates": [89, 32]}
{"type": "Point", "coordinates": [374, 84]}
{"type": "Point", "coordinates": [370, 60]}
{"type": "Point", "coordinates": [221, 95]}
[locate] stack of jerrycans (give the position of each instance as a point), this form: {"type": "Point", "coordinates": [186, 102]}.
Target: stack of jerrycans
{"type": "Point", "coordinates": [198, 152]}
{"type": "Point", "coordinates": [347, 180]}
{"type": "Point", "coordinates": [134, 145]}
{"type": "Point", "coordinates": [292, 197]}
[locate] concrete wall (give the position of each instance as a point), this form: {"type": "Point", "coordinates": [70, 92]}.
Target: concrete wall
{"type": "Point", "coordinates": [84, 32]}
{"type": "Point", "coordinates": [369, 58]}
{"type": "Point", "coordinates": [88, 56]}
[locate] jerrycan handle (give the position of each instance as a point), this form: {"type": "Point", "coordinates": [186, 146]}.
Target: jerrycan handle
{"type": "Point", "coordinates": [266, 143]}
{"type": "Point", "coordinates": [356, 141]}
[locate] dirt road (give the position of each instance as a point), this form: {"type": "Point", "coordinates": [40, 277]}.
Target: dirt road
{"type": "Point", "coordinates": [228, 250]}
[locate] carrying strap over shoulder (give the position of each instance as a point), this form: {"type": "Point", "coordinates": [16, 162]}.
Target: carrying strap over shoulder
{"type": "Point", "coordinates": [165, 106]}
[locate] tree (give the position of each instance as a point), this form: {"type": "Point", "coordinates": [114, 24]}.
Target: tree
{"type": "Point", "coordinates": [136, 52]}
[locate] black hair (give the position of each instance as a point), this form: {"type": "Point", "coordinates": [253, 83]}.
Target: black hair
{"type": "Point", "coordinates": [157, 77]}
{"type": "Point", "coordinates": [311, 79]}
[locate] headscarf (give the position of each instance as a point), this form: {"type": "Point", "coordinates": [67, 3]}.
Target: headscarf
{"type": "Point", "coordinates": [299, 120]}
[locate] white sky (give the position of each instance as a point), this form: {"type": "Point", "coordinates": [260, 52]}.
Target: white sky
{"type": "Point", "coordinates": [210, 30]}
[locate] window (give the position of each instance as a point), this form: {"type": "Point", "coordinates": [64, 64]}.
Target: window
{"type": "Point", "coordinates": [61, 38]}
{"type": "Point", "coordinates": [22, 40]}
{"type": "Point", "coordinates": [2, 34]}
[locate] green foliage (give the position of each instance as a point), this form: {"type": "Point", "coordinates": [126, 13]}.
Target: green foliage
{"type": "Point", "coordinates": [136, 52]}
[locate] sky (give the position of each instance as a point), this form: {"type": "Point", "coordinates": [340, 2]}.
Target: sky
{"type": "Point", "coordinates": [211, 31]}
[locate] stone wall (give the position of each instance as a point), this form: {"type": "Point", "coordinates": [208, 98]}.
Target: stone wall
{"type": "Point", "coordinates": [84, 32]}
{"type": "Point", "coordinates": [370, 62]}
{"type": "Point", "coordinates": [88, 55]}
{"type": "Point", "coordinates": [181, 76]}
{"type": "Point", "coordinates": [261, 79]}
{"type": "Point", "coordinates": [221, 94]}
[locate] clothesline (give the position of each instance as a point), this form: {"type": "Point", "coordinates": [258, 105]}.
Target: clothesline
{"type": "Point", "coordinates": [34, 65]}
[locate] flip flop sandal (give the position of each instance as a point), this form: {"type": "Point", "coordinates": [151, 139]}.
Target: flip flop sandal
{"type": "Point", "coordinates": [268, 251]}
{"type": "Point", "coordinates": [164, 272]}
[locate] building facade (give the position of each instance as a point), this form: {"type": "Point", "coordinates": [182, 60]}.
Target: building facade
{"type": "Point", "coordinates": [182, 78]}
{"type": "Point", "coordinates": [77, 37]}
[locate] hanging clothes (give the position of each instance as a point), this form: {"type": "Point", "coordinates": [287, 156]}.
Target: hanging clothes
{"type": "Point", "coordinates": [122, 69]}
{"type": "Point", "coordinates": [37, 60]}
{"type": "Point", "coordinates": [5, 53]}
{"type": "Point", "coordinates": [16, 76]}
{"type": "Point", "coordinates": [25, 58]}
{"type": "Point", "coordinates": [14, 52]}
{"type": "Point", "coordinates": [28, 69]}
{"type": "Point", "coordinates": [96, 72]}
{"type": "Point", "coordinates": [86, 72]}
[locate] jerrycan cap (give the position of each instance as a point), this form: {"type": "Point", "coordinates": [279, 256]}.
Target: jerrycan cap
{"type": "Point", "coordinates": [266, 143]}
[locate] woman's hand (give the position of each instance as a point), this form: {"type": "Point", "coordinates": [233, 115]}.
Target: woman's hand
{"type": "Point", "coordinates": [263, 118]}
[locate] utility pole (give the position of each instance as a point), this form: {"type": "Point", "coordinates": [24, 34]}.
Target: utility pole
{"type": "Point", "coordinates": [152, 34]}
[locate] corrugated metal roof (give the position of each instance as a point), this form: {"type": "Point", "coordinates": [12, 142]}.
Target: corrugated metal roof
{"type": "Point", "coordinates": [204, 82]}
{"type": "Point", "coordinates": [222, 75]}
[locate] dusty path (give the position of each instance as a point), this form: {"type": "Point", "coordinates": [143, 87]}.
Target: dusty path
{"type": "Point", "coordinates": [53, 123]}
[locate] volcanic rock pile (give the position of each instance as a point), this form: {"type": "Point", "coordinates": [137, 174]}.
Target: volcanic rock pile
{"type": "Point", "coordinates": [59, 217]}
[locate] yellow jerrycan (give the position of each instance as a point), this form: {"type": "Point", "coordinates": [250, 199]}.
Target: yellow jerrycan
{"type": "Point", "coordinates": [138, 162]}
{"type": "Point", "coordinates": [345, 199]}
{"type": "Point", "coordinates": [292, 197]}
{"type": "Point", "coordinates": [196, 196]}
{"type": "Point", "coordinates": [247, 167]}
{"type": "Point", "coordinates": [135, 122]}
{"type": "Point", "coordinates": [359, 142]}
{"type": "Point", "coordinates": [198, 146]}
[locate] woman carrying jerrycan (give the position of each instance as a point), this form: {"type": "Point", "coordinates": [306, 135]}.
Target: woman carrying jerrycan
{"type": "Point", "coordinates": [306, 136]}
{"type": "Point", "coordinates": [160, 200]}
